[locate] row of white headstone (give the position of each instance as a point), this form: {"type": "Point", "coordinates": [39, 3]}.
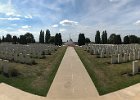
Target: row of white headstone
{"type": "Point", "coordinates": [25, 53]}
{"type": "Point", "coordinates": [118, 53]}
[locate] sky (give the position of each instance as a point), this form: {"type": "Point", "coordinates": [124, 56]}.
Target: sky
{"type": "Point", "coordinates": [70, 17]}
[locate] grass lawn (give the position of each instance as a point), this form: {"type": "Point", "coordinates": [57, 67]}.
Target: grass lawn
{"type": "Point", "coordinates": [37, 78]}
{"type": "Point", "coordinates": [107, 77]}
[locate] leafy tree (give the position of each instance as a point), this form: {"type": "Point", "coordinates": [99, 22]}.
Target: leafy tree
{"type": "Point", "coordinates": [15, 39]}
{"type": "Point", "coordinates": [47, 36]}
{"type": "Point", "coordinates": [112, 39]}
{"type": "Point", "coordinates": [87, 40]}
{"type": "Point", "coordinates": [126, 40]}
{"type": "Point", "coordinates": [52, 40]}
{"type": "Point", "coordinates": [133, 39]}
{"type": "Point", "coordinates": [118, 39]}
{"type": "Point", "coordinates": [22, 39]}
{"type": "Point", "coordinates": [81, 39]}
{"type": "Point", "coordinates": [8, 38]}
{"type": "Point", "coordinates": [104, 37]}
{"type": "Point", "coordinates": [29, 38]}
{"type": "Point", "coordinates": [97, 38]}
{"type": "Point", "coordinates": [41, 37]}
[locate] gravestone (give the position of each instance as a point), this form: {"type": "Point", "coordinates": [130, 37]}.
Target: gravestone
{"type": "Point", "coordinates": [135, 67]}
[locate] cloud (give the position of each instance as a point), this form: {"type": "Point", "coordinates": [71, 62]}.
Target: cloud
{"type": "Point", "coordinates": [137, 22]}
{"type": "Point", "coordinates": [28, 17]}
{"type": "Point", "coordinates": [62, 30]}
{"type": "Point", "coordinates": [68, 23]}
{"type": "Point", "coordinates": [26, 27]}
{"type": "Point", "coordinates": [10, 18]}
{"type": "Point", "coordinates": [55, 25]}
{"type": "Point", "coordinates": [8, 9]}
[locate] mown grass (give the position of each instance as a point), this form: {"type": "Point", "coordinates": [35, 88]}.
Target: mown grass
{"type": "Point", "coordinates": [107, 77]}
{"type": "Point", "coordinates": [38, 78]}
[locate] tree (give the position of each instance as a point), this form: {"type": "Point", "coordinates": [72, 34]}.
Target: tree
{"type": "Point", "coordinates": [87, 41]}
{"type": "Point", "coordinates": [41, 37]}
{"type": "Point", "coordinates": [3, 39]}
{"type": "Point", "coordinates": [52, 40]}
{"type": "Point", "coordinates": [104, 37]}
{"type": "Point", "coordinates": [58, 39]}
{"type": "Point", "coordinates": [0, 40]}
{"type": "Point", "coordinates": [97, 38]}
{"type": "Point", "coordinates": [126, 40]}
{"type": "Point", "coordinates": [112, 39]}
{"type": "Point", "coordinates": [22, 39]}
{"type": "Point", "coordinates": [29, 38]}
{"type": "Point", "coordinates": [81, 39]}
{"type": "Point", "coordinates": [47, 36]}
{"type": "Point", "coordinates": [15, 39]}
{"type": "Point", "coordinates": [118, 39]}
{"type": "Point", "coordinates": [133, 39]}
{"type": "Point", "coordinates": [8, 38]}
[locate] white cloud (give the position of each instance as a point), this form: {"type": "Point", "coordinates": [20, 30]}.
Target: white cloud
{"type": "Point", "coordinates": [68, 23]}
{"type": "Point", "coordinates": [10, 18]}
{"type": "Point", "coordinates": [62, 30]}
{"type": "Point", "coordinates": [8, 9]}
{"type": "Point", "coordinates": [26, 27]}
{"type": "Point", "coordinates": [55, 25]}
{"type": "Point", "coordinates": [29, 16]}
{"type": "Point", "coordinates": [137, 22]}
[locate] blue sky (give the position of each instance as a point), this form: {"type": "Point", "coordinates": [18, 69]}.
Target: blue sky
{"type": "Point", "coordinates": [70, 17]}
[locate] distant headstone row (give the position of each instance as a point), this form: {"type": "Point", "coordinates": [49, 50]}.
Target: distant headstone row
{"type": "Point", "coordinates": [25, 53]}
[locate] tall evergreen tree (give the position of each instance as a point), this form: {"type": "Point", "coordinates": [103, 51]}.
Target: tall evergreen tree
{"type": "Point", "coordinates": [81, 39]}
{"type": "Point", "coordinates": [60, 39]}
{"type": "Point", "coordinates": [47, 36]}
{"type": "Point", "coordinates": [57, 39]}
{"type": "Point", "coordinates": [41, 37]}
{"type": "Point", "coordinates": [104, 37]}
{"type": "Point", "coordinates": [97, 38]}
{"type": "Point", "coordinates": [15, 39]}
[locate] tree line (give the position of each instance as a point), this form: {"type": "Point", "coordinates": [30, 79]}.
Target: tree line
{"type": "Point", "coordinates": [102, 38]}
{"type": "Point", "coordinates": [29, 38]}
{"type": "Point", "coordinates": [47, 38]}
{"type": "Point", "coordinates": [22, 39]}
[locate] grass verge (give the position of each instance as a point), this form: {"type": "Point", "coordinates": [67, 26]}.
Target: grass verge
{"type": "Point", "coordinates": [107, 77]}
{"type": "Point", "coordinates": [38, 78]}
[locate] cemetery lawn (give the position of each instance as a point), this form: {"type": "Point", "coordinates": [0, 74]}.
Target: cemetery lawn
{"type": "Point", "coordinates": [106, 77]}
{"type": "Point", "coordinates": [37, 78]}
